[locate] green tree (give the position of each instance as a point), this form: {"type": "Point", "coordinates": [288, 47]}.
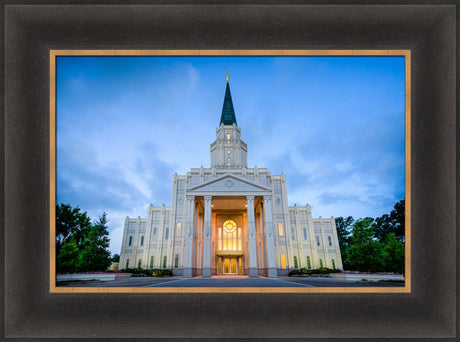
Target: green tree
{"type": "Point", "coordinates": [67, 258]}
{"type": "Point", "coordinates": [344, 226]}
{"type": "Point", "coordinates": [383, 227]}
{"type": "Point", "coordinates": [116, 258]}
{"type": "Point", "coordinates": [393, 254]}
{"type": "Point", "coordinates": [70, 223]}
{"type": "Point", "coordinates": [80, 245]}
{"type": "Point", "coordinates": [365, 253]}
{"type": "Point", "coordinates": [392, 223]}
{"type": "Point", "coordinates": [398, 217]}
{"type": "Point", "coordinates": [94, 255]}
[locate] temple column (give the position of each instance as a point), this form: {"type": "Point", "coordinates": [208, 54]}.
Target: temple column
{"type": "Point", "coordinates": [207, 234]}
{"type": "Point", "coordinates": [269, 237]}
{"type": "Point", "coordinates": [253, 271]}
{"type": "Point", "coordinates": [189, 232]}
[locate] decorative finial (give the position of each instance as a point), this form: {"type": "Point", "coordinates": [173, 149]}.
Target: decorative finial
{"type": "Point", "coordinates": [228, 77]}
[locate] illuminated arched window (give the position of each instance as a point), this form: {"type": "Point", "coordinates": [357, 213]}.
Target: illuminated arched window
{"type": "Point", "coordinates": [280, 229]}
{"type": "Point", "coordinates": [229, 237]}
{"type": "Point", "coordinates": [283, 261]}
{"type": "Point", "coordinates": [178, 229]}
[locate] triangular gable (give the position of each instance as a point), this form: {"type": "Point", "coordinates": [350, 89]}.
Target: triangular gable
{"type": "Point", "coordinates": [229, 182]}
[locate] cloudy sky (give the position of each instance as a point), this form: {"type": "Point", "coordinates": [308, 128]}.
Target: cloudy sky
{"type": "Point", "coordinates": [333, 125]}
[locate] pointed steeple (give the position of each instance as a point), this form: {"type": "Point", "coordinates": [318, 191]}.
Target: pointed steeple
{"type": "Point", "coordinates": [228, 151]}
{"type": "Point", "coordinates": [228, 113]}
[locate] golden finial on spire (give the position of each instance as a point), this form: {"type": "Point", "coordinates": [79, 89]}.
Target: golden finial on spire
{"type": "Point", "coordinates": [228, 77]}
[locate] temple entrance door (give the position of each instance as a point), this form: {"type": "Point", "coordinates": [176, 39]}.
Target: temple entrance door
{"type": "Point", "coordinates": [230, 254]}
{"type": "Point", "coordinates": [230, 266]}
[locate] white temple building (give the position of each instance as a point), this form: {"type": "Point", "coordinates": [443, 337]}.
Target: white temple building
{"type": "Point", "coordinates": [229, 219]}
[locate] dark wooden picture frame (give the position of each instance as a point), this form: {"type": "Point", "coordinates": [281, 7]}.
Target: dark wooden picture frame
{"type": "Point", "coordinates": [31, 311]}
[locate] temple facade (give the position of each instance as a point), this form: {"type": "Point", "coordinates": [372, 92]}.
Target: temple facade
{"type": "Point", "coordinates": [229, 219]}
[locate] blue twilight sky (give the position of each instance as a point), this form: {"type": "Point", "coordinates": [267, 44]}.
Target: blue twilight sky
{"type": "Point", "coordinates": [333, 125]}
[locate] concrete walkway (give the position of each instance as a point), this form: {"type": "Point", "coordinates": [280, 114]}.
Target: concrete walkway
{"type": "Point", "coordinates": [229, 281]}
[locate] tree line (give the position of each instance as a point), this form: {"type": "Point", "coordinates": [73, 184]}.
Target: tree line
{"type": "Point", "coordinates": [81, 245]}
{"type": "Point", "coordinates": [366, 244]}
{"type": "Point", "coordinates": [373, 244]}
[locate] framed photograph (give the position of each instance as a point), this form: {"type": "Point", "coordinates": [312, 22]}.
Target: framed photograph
{"type": "Point", "coordinates": [296, 104]}
{"type": "Point", "coordinates": [36, 36]}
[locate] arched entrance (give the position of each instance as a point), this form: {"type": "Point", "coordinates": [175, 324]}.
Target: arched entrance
{"type": "Point", "coordinates": [230, 248]}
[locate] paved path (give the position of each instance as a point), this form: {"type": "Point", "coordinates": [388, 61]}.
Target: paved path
{"type": "Point", "coordinates": [329, 282]}
{"type": "Point", "coordinates": [230, 281]}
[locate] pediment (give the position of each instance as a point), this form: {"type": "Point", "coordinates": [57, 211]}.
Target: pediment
{"type": "Point", "coordinates": [229, 183]}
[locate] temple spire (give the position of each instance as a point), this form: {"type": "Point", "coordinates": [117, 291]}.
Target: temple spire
{"type": "Point", "coordinates": [228, 150]}
{"type": "Point", "coordinates": [228, 113]}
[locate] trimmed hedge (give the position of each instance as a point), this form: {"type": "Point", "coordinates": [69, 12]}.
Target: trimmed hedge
{"type": "Point", "coordinates": [307, 272]}
{"type": "Point", "coordinates": [155, 272]}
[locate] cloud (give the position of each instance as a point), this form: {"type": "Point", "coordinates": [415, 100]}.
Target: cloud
{"type": "Point", "coordinates": [335, 127]}
{"type": "Point", "coordinates": [115, 188]}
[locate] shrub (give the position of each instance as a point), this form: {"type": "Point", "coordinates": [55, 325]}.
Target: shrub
{"type": "Point", "coordinates": [307, 272]}
{"type": "Point", "coordinates": [140, 272]}
{"type": "Point", "coordinates": [161, 273]}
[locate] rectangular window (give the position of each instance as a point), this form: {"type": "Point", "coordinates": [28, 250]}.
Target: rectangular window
{"type": "Point", "coordinates": [179, 229]}
{"type": "Point", "coordinates": [127, 263]}
{"type": "Point", "coordinates": [330, 240]}
{"type": "Point", "coordinates": [321, 263]}
{"type": "Point", "coordinates": [130, 241]}
{"type": "Point", "coordinates": [167, 234]}
{"type": "Point", "coordinates": [151, 261]}
{"type": "Point", "coordinates": [240, 240]}
{"type": "Point", "coordinates": [317, 240]}
{"type": "Point", "coordinates": [333, 264]}
{"type": "Point", "coordinates": [292, 234]}
{"type": "Point", "coordinates": [164, 261]}
{"type": "Point", "coordinates": [283, 261]}
{"type": "Point", "coordinates": [142, 241]}
{"type": "Point", "coordinates": [139, 263]}
{"type": "Point", "coordinates": [305, 233]}
{"type": "Point", "coordinates": [295, 262]}
{"type": "Point", "coordinates": [154, 233]}
{"type": "Point", "coordinates": [280, 229]}
{"type": "Point", "coordinates": [219, 239]}
{"type": "Point", "coordinates": [176, 261]}
{"type": "Point", "coordinates": [308, 263]}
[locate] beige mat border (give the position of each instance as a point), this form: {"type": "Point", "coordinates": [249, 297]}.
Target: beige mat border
{"type": "Point", "coordinates": [121, 52]}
